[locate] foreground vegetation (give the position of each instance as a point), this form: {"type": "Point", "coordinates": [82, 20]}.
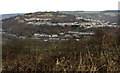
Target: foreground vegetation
{"type": "Point", "coordinates": [99, 53]}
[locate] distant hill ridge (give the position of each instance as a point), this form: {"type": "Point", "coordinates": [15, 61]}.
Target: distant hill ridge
{"type": "Point", "coordinates": [6, 16]}
{"type": "Point", "coordinates": [111, 11]}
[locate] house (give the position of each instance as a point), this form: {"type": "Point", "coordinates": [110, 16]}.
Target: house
{"type": "Point", "coordinates": [54, 35]}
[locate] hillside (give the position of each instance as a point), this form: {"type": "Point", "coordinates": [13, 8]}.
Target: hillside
{"type": "Point", "coordinates": [60, 42]}
{"type": "Point", "coordinates": [23, 23]}
{"type": "Point", "coordinates": [58, 25]}
{"type": "Point", "coordinates": [110, 16]}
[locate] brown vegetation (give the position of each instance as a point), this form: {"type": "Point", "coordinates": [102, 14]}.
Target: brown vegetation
{"type": "Point", "coordinates": [99, 53]}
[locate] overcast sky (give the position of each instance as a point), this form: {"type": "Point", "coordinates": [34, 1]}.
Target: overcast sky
{"type": "Point", "coordinates": [25, 6]}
